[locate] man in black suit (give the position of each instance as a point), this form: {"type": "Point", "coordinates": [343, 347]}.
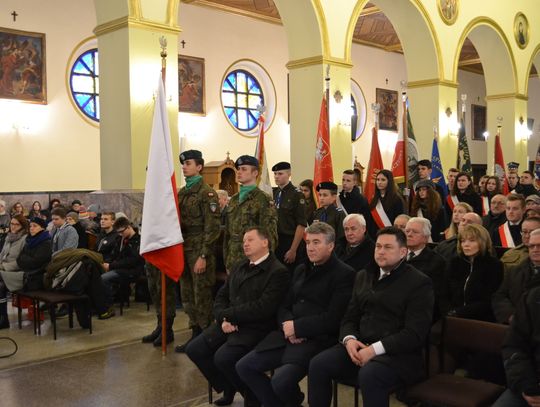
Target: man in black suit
{"type": "Point", "coordinates": [245, 312]}
{"type": "Point", "coordinates": [418, 232]}
{"type": "Point", "coordinates": [496, 215]}
{"type": "Point", "coordinates": [356, 248]}
{"type": "Point", "coordinates": [383, 331]}
{"type": "Point", "coordinates": [309, 318]}
{"type": "Point", "coordinates": [509, 233]}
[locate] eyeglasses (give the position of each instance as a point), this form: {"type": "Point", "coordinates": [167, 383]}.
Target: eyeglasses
{"type": "Point", "coordinates": [14, 223]}
{"type": "Point", "coordinates": [525, 232]}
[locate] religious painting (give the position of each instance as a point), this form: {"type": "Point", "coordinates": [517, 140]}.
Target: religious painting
{"type": "Point", "coordinates": [191, 86]}
{"type": "Point", "coordinates": [478, 120]}
{"type": "Point", "coordinates": [22, 66]}
{"type": "Point", "coordinates": [448, 10]}
{"type": "Point", "coordinates": [388, 113]}
{"type": "Point", "coordinates": [521, 30]}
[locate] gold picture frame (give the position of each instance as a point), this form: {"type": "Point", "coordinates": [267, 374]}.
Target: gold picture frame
{"type": "Point", "coordinates": [191, 85]}
{"type": "Point", "coordinates": [22, 66]}
{"type": "Point", "coordinates": [521, 30]}
{"type": "Point", "coordinates": [448, 10]}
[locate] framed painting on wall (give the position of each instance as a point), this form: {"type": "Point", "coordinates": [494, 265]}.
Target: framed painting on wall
{"type": "Point", "coordinates": [388, 113]}
{"type": "Point", "coordinates": [191, 85]}
{"type": "Point", "coordinates": [478, 120]}
{"type": "Point", "coordinates": [22, 66]}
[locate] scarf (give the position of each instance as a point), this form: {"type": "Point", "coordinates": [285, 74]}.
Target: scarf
{"type": "Point", "coordinates": [190, 181]}
{"type": "Point", "coordinates": [33, 241]}
{"type": "Point", "coordinates": [13, 237]}
{"type": "Point", "coordinates": [244, 191]}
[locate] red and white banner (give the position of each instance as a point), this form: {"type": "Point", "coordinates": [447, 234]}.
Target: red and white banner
{"type": "Point", "coordinates": [506, 237]}
{"type": "Point", "coordinates": [485, 205]}
{"type": "Point", "coordinates": [380, 217]}
{"type": "Point", "coordinates": [323, 156]}
{"type": "Point", "coordinates": [263, 179]}
{"type": "Point", "coordinates": [499, 165]}
{"type": "Point", "coordinates": [452, 201]}
{"type": "Point", "coordinates": [374, 167]}
{"type": "Point", "coordinates": [161, 236]}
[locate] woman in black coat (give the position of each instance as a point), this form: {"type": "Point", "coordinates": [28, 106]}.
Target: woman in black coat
{"type": "Point", "coordinates": [464, 191]}
{"type": "Point", "coordinates": [474, 275]}
{"type": "Point", "coordinates": [427, 204]}
{"type": "Point", "coordinates": [386, 193]}
{"type": "Point", "coordinates": [36, 254]}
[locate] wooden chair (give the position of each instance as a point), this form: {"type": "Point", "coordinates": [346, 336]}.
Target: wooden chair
{"type": "Point", "coordinates": [447, 389]}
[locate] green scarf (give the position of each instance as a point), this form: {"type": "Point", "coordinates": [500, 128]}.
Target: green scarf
{"type": "Point", "coordinates": [190, 181]}
{"type": "Point", "coordinates": [245, 190]}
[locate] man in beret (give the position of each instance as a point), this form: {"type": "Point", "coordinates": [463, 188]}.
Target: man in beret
{"type": "Point", "coordinates": [249, 208]}
{"type": "Point", "coordinates": [292, 222]}
{"type": "Point", "coordinates": [328, 212]}
{"type": "Point", "coordinates": [200, 220]}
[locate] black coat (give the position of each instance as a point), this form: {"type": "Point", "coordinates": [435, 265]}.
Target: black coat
{"type": "Point", "coordinates": [357, 257]}
{"type": "Point", "coordinates": [491, 222]}
{"type": "Point", "coordinates": [127, 257]}
{"type": "Point", "coordinates": [521, 349]}
{"type": "Point", "coordinates": [355, 202]}
{"type": "Point", "coordinates": [433, 266]}
{"type": "Point", "coordinates": [392, 209]}
{"type": "Point", "coordinates": [37, 257]}
{"type": "Point", "coordinates": [316, 301]}
{"type": "Point", "coordinates": [447, 249]}
{"type": "Point", "coordinates": [515, 231]}
{"type": "Point", "coordinates": [472, 286]}
{"type": "Point", "coordinates": [249, 299]}
{"type": "Point", "coordinates": [106, 244]}
{"type": "Point", "coordinates": [397, 311]}
{"type": "Point", "coordinates": [472, 199]}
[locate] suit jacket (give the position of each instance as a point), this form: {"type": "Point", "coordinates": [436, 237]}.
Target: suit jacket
{"type": "Point", "coordinates": [515, 231]}
{"type": "Point", "coordinates": [316, 301]}
{"type": "Point", "coordinates": [249, 299]}
{"type": "Point", "coordinates": [357, 257]}
{"type": "Point", "coordinates": [433, 266]}
{"type": "Point", "coordinates": [396, 310]}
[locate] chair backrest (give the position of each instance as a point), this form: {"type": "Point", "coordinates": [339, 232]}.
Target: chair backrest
{"type": "Point", "coordinates": [473, 335]}
{"type": "Point", "coordinates": [92, 240]}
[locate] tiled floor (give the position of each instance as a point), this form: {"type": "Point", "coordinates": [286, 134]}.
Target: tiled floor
{"type": "Point", "coordinates": [111, 367]}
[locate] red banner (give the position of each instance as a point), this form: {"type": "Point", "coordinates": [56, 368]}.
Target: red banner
{"type": "Point", "coordinates": [323, 157]}
{"type": "Point", "coordinates": [499, 166]}
{"type": "Point", "coordinates": [375, 165]}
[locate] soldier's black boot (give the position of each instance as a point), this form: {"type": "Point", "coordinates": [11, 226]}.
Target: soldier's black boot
{"type": "Point", "coordinates": [195, 331]}
{"type": "Point", "coordinates": [169, 333]}
{"type": "Point", "coordinates": [155, 333]}
{"type": "Point", "coordinates": [4, 320]}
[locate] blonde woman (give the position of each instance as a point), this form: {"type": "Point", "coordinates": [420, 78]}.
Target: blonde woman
{"type": "Point", "coordinates": [459, 210]}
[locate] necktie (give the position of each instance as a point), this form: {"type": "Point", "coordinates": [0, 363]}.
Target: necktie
{"type": "Point", "coordinates": [324, 216]}
{"type": "Point", "coordinates": [411, 255]}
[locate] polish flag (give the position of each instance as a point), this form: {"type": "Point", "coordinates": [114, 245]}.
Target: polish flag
{"type": "Point", "coordinates": [375, 165]}
{"type": "Point", "coordinates": [323, 157]}
{"type": "Point", "coordinates": [161, 236]}
{"type": "Point", "coordinates": [499, 165]}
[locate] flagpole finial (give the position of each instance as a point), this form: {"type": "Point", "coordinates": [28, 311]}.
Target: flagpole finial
{"type": "Point", "coordinates": [499, 121]}
{"type": "Point", "coordinates": [463, 99]}
{"type": "Point", "coordinates": [163, 45]}
{"type": "Point", "coordinates": [376, 107]}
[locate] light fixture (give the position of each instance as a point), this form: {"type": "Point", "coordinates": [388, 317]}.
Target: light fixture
{"type": "Point", "coordinates": [448, 112]}
{"type": "Point", "coordinates": [521, 120]}
{"type": "Point", "coordinates": [338, 97]}
{"type": "Point", "coordinates": [485, 134]}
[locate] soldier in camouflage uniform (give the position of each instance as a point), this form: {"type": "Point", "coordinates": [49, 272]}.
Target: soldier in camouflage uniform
{"type": "Point", "coordinates": [154, 286]}
{"type": "Point", "coordinates": [328, 211]}
{"type": "Point", "coordinates": [200, 222]}
{"type": "Point", "coordinates": [250, 207]}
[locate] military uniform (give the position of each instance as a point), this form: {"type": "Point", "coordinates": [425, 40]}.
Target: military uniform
{"type": "Point", "coordinates": [255, 211]}
{"type": "Point", "coordinates": [333, 216]}
{"type": "Point", "coordinates": [291, 214]}
{"type": "Point", "coordinates": [200, 222]}
{"type": "Point", "coordinates": [154, 286]}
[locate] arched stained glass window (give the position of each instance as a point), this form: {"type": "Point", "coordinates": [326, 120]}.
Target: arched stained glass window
{"type": "Point", "coordinates": [241, 93]}
{"type": "Point", "coordinates": [84, 83]}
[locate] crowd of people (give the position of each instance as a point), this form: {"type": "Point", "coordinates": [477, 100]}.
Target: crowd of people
{"type": "Point", "coordinates": [329, 286]}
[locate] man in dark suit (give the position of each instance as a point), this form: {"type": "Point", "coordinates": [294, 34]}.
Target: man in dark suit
{"type": "Point", "coordinates": [418, 232]}
{"type": "Point", "coordinates": [245, 312]}
{"type": "Point", "coordinates": [356, 248]}
{"type": "Point", "coordinates": [383, 331]}
{"type": "Point", "coordinates": [509, 233]}
{"type": "Point", "coordinates": [496, 215]}
{"type": "Point", "coordinates": [309, 319]}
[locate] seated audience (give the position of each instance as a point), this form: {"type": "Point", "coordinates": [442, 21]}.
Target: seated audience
{"type": "Point", "coordinates": [464, 192]}
{"type": "Point", "coordinates": [383, 331]}
{"type": "Point", "coordinates": [308, 319]}
{"type": "Point", "coordinates": [75, 206]}
{"type": "Point", "coordinates": [350, 196]}
{"type": "Point", "coordinates": [427, 204]}
{"type": "Point", "coordinates": [474, 275]}
{"type": "Point", "coordinates": [64, 236]}
{"type": "Point", "coordinates": [356, 248]}
{"type": "Point", "coordinates": [518, 279]}
{"type": "Point", "coordinates": [496, 215]}
{"type": "Point", "coordinates": [492, 188]}
{"type": "Point", "coordinates": [17, 209]}
{"type": "Point", "coordinates": [107, 239]}
{"type": "Point", "coordinates": [127, 264]}
{"type": "Point", "coordinates": [4, 222]}
{"type": "Point", "coordinates": [401, 221]}
{"type": "Point", "coordinates": [421, 257]}
{"type": "Point", "coordinates": [15, 240]}
{"type": "Point", "coordinates": [526, 184]}
{"type": "Point", "coordinates": [513, 179]}
{"type": "Point", "coordinates": [532, 202]}
{"type": "Point", "coordinates": [245, 312]}
{"type": "Point", "coordinates": [386, 203]}
{"type": "Point", "coordinates": [521, 355]}
{"type": "Point", "coordinates": [72, 218]}
{"type": "Point", "coordinates": [88, 224]}
{"type": "Point", "coordinates": [460, 209]}
{"type": "Point", "coordinates": [509, 233]}
{"type": "Point", "coordinates": [517, 254]}
{"type": "Point", "coordinates": [37, 211]}
{"type": "Point", "coordinates": [310, 206]}
{"type": "Point", "coordinates": [328, 212]}
{"type": "Point", "coordinates": [33, 258]}
{"type": "Point", "coordinates": [447, 249]}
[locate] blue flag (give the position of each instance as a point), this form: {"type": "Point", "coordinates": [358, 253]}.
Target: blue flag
{"type": "Point", "coordinates": [437, 175]}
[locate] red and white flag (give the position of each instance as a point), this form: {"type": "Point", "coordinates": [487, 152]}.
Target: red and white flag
{"type": "Point", "coordinates": [375, 165]}
{"type": "Point", "coordinates": [499, 165]}
{"type": "Point", "coordinates": [323, 156]}
{"type": "Point", "coordinates": [161, 236]}
{"type": "Point", "coordinates": [263, 179]}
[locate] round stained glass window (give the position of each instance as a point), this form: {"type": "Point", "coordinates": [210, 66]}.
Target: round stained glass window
{"type": "Point", "coordinates": [241, 93]}
{"type": "Point", "coordinates": [84, 83]}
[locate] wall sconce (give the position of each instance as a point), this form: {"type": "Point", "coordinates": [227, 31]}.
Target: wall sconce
{"type": "Point", "coordinates": [521, 120]}
{"type": "Point", "coordinates": [448, 112]}
{"type": "Point", "coordinates": [338, 97]}
{"type": "Point", "coordinates": [486, 135]}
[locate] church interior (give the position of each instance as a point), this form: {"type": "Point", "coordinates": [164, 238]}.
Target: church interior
{"type": "Point", "coordinates": [81, 130]}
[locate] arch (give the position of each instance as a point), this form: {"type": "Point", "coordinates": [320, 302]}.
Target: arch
{"type": "Point", "coordinates": [422, 41]}
{"type": "Point", "coordinates": [492, 45]}
{"type": "Point", "coordinates": [535, 60]}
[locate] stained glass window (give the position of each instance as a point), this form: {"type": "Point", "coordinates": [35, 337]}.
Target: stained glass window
{"type": "Point", "coordinates": [241, 93]}
{"type": "Point", "coordinates": [84, 83]}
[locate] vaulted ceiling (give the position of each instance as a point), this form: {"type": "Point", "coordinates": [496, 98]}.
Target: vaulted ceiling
{"type": "Point", "coordinates": [373, 28]}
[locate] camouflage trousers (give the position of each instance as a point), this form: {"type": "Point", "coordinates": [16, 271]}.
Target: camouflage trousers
{"type": "Point", "coordinates": [154, 286]}
{"type": "Point", "coordinates": [196, 290]}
